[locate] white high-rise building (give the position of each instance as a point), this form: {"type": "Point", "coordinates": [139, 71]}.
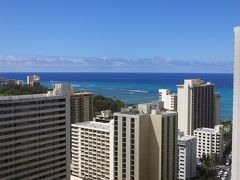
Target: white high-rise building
{"type": "Point", "coordinates": [209, 141]}
{"type": "Point", "coordinates": [169, 99]}
{"type": "Point", "coordinates": [187, 160]}
{"type": "Point", "coordinates": [198, 105]}
{"type": "Point", "coordinates": [145, 143]}
{"type": "Point", "coordinates": [35, 136]}
{"type": "Point", "coordinates": [236, 108]}
{"type": "Point", "coordinates": [92, 150]}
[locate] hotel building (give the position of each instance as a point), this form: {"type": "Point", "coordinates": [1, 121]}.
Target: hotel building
{"type": "Point", "coordinates": [35, 136]}
{"type": "Point", "coordinates": [209, 141]}
{"type": "Point", "coordinates": [145, 143]}
{"type": "Point", "coordinates": [33, 80]}
{"type": "Point", "coordinates": [92, 150]}
{"type": "Point", "coordinates": [169, 99]}
{"type": "Point", "coordinates": [198, 105]}
{"type": "Point", "coordinates": [186, 156]}
{"type": "Point", "coordinates": [81, 107]}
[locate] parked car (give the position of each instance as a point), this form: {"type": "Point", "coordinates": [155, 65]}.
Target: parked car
{"type": "Point", "coordinates": [225, 174]}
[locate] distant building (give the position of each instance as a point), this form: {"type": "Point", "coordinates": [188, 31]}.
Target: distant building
{"type": "Point", "coordinates": [145, 143]}
{"type": "Point", "coordinates": [33, 80]}
{"type": "Point", "coordinates": [105, 116]}
{"type": "Point", "coordinates": [35, 136]}
{"type": "Point", "coordinates": [81, 107]}
{"type": "Point", "coordinates": [209, 141]}
{"type": "Point", "coordinates": [62, 89]}
{"type": "Point", "coordinates": [236, 107]}
{"type": "Point", "coordinates": [2, 80]}
{"type": "Point", "coordinates": [92, 150]}
{"type": "Point", "coordinates": [11, 81]}
{"type": "Point", "coordinates": [20, 82]}
{"type": "Point", "coordinates": [198, 105]}
{"type": "Point", "coordinates": [169, 99]}
{"type": "Point", "coordinates": [187, 160]}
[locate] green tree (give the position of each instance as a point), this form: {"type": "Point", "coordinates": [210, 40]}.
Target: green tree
{"type": "Point", "coordinates": [209, 164]}
{"type": "Point", "coordinates": [103, 103]}
{"type": "Point", "coordinates": [15, 89]}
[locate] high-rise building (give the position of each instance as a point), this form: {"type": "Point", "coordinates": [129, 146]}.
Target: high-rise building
{"type": "Point", "coordinates": [198, 105]}
{"type": "Point", "coordinates": [209, 141]}
{"type": "Point", "coordinates": [35, 137]}
{"type": "Point", "coordinates": [187, 160]}
{"type": "Point", "coordinates": [236, 108]}
{"type": "Point", "coordinates": [92, 150]}
{"type": "Point", "coordinates": [81, 107]}
{"type": "Point", "coordinates": [169, 99]}
{"type": "Point", "coordinates": [145, 143]}
{"type": "Point", "coordinates": [33, 80]}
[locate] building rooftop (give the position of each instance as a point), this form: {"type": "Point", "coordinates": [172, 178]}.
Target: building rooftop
{"type": "Point", "coordinates": [93, 125]}
{"type": "Point", "coordinates": [237, 28]}
{"type": "Point", "coordinates": [216, 129]}
{"type": "Point", "coordinates": [207, 130]}
{"type": "Point", "coordinates": [185, 138]}
{"type": "Point", "coordinates": [6, 98]}
{"type": "Point", "coordinates": [82, 93]}
{"type": "Point", "coordinates": [135, 111]}
{"type": "Point", "coordinates": [195, 83]}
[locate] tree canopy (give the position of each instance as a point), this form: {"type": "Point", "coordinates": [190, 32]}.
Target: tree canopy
{"type": "Point", "coordinates": [103, 103]}
{"type": "Point", "coordinates": [15, 89]}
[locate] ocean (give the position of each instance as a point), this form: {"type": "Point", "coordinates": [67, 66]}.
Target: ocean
{"type": "Point", "coordinates": [135, 88]}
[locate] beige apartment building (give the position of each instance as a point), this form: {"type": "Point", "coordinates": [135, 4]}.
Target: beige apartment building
{"type": "Point", "coordinates": [92, 151]}
{"type": "Point", "coordinates": [198, 105]}
{"type": "Point", "coordinates": [209, 141]}
{"type": "Point", "coordinates": [145, 143]}
{"type": "Point", "coordinates": [35, 136]}
{"type": "Point", "coordinates": [81, 107]}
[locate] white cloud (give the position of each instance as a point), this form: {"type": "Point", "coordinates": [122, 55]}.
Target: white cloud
{"type": "Point", "coordinates": [104, 64]}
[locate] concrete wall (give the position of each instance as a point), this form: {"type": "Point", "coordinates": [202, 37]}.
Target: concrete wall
{"type": "Point", "coordinates": [236, 108]}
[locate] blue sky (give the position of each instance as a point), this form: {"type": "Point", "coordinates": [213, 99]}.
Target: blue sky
{"type": "Point", "coordinates": [123, 35]}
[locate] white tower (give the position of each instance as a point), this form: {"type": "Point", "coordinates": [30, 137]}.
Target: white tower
{"type": "Point", "coordinates": [236, 107]}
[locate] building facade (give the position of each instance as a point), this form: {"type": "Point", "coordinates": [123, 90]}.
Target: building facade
{"type": "Point", "coordinates": [35, 137]}
{"type": "Point", "coordinates": [217, 104]}
{"type": "Point", "coordinates": [236, 107]}
{"type": "Point", "coordinates": [33, 80]}
{"type": "Point", "coordinates": [169, 99]}
{"type": "Point", "coordinates": [187, 160]}
{"type": "Point", "coordinates": [145, 144]}
{"type": "Point", "coordinates": [81, 107]}
{"type": "Point", "coordinates": [92, 150]}
{"type": "Point", "coordinates": [197, 105]}
{"type": "Point", "coordinates": [209, 141]}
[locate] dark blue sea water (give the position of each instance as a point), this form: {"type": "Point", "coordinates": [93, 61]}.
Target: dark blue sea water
{"type": "Point", "coordinates": [136, 87]}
